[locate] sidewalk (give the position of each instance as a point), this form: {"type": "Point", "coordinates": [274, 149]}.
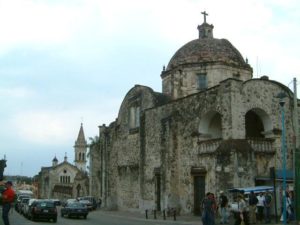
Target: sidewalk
{"type": "Point", "coordinates": [190, 219]}
{"type": "Point", "coordinates": [184, 219]}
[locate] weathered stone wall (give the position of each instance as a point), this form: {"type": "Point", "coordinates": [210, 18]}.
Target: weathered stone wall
{"type": "Point", "coordinates": [184, 81]}
{"type": "Point", "coordinates": [95, 172]}
{"type": "Point", "coordinates": [124, 151]}
{"type": "Point", "coordinates": [169, 143]}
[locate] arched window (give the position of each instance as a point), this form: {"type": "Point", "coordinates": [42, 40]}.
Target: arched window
{"type": "Point", "coordinates": [211, 125]}
{"type": "Point", "coordinates": [202, 81]}
{"type": "Point", "coordinates": [257, 122]}
{"type": "Point", "coordinates": [134, 116]}
{"type": "Point", "coordinates": [254, 125]}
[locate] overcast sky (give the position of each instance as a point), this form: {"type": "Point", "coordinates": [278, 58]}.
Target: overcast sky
{"type": "Point", "coordinates": [63, 62]}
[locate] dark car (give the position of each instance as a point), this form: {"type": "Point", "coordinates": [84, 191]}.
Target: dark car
{"type": "Point", "coordinates": [74, 209]}
{"type": "Point", "coordinates": [43, 209]}
{"type": "Point", "coordinates": [91, 199]}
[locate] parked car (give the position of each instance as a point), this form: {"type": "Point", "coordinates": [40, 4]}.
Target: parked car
{"type": "Point", "coordinates": [18, 202]}
{"type": "Point", "coordinates": [69, 201]}
{"type": "Point", "coordinates": [87, 203]}
{"type": "Point", "coordinates": [43, 209]}
{"type": "Point", "coordinates": [91, 199]}
{"type": "Point", "coordinates": [28, 206]}
{"type": "Point", "coordinates": [74, 209]}
{"type": "Point", "coordinates": [22, 205]}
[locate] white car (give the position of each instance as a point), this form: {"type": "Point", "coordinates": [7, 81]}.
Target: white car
{"type": "Point", "coordinates": [27, 207]}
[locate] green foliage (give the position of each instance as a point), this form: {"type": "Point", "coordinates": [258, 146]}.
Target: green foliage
{"type": "Point", "coordinates": [95, 144]}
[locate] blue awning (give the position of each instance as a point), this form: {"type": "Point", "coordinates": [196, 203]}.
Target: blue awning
{"type": "Point", "coordinates": [247, 190]}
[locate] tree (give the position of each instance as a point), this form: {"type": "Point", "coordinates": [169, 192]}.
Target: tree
{"type": "Point", "coordinates": [94, 144]}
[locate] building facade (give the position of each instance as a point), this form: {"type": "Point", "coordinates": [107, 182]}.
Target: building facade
{"type": "Point", "coordinates": [212, 128]}
{"type": "Point", "coordinates": [65, 180]}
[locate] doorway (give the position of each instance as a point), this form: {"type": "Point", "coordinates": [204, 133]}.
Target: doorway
{"type": "Point", "coordinates": [199, 193]}
{"type": "Point", "coordinates": [157, 192]}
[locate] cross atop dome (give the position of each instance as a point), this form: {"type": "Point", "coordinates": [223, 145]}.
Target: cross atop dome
{"type": "Point", "coordinates": [204, 14]}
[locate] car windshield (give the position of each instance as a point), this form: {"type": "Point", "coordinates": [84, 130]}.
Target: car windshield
{"type": "Point", "coordinates": [45, 204]}
{"type": "Point", "coordinates": [25, 200]}
{"type": "Point", "coordinates": [75, 205]}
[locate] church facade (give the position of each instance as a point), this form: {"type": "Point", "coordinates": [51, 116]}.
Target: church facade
{"type": "Point", "coordinates": [212, 128]}
{"type": "Point", "coordinates": [65, 180]}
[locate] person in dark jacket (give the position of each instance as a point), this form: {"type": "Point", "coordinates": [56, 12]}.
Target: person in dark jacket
{"type": "Point", "coordinates": [223, 203]}
{"type": "Point", "coordinates": [252, 207]}
{"type": "Point", "coordinates": [208, 209]}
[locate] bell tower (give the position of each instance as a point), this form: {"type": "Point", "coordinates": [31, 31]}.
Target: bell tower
{"type": "Point", "coordinates": [80, 150]}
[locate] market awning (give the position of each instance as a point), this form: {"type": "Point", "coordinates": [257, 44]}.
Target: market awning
{"type": "Point", "coordinates": [247, 190]}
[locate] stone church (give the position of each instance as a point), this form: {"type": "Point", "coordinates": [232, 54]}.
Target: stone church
{"type": "Point", "coordinates": [212, 128]}
{"type": "Point", "coordinates": [65, 180]}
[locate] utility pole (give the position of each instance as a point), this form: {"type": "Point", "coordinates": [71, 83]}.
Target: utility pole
{"type": "Point", "coordinates": [296, 154]}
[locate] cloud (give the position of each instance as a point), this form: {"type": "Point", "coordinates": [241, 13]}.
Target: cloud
{"type": "Point", "coordinates": [16, 92]}
{"type": "Point", "coordinates": [37, 23]}
{"type": "Point", "coordinates": [58, 127]}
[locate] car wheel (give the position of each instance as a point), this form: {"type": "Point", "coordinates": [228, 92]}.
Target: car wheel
{"type": "Point", "coordinates": [61, 214]}
{"type": "Point", "coordinates": [85, 217]}
{"type": "Point", "coordinates": [54, 220]}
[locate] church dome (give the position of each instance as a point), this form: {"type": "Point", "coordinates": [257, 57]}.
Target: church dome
{"type": "Point", "coordinates": [203, 63]}
{"type": "Point", "coordinates": [208, 51]}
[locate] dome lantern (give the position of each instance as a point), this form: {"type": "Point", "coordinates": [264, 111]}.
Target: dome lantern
{"type": "Point", "coordinates": [205, 29]}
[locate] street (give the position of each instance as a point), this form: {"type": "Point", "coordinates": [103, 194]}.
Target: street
{"type": "Point", "coordinates": [105, 218]}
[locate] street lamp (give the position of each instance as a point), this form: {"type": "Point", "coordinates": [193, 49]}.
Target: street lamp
{"type": "Point", "coordinates": [281, 96]}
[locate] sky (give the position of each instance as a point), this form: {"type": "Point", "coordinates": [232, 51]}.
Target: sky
{"type": "Point", "coordinates": [67, 62]}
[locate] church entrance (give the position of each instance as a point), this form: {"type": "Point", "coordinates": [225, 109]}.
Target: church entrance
{"type": "Point", "coordinates": [199, 188]}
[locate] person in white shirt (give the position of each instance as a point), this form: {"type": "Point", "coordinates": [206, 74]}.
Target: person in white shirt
{"type": "Point", "coordinates": [260, 207]}
{"type": "Point", "coordinates": [242, 214]}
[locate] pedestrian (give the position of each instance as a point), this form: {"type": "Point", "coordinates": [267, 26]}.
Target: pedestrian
{"type": "Point", "coordinates": [208, 209]}
{"type": "Point", "coordinates": [8, 197]}
{"type": "Point", "coordinates": [267, 207]}
{"type": "Point", "coordinates": [287, 204]}
{"type": "Point", "coordinates": [291, 206]}
{"type": "Point", "coordinates": [260, 207]}
{"type": "Point", "coordinates": [252, 207]}
{"type": "Point", "coordinates": [223, 203]}
{"type": "Point", "coordinates": [241, 216]}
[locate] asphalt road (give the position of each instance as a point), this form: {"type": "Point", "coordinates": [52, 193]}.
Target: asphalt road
{"type": "Point", "coordinates": [100, 217]}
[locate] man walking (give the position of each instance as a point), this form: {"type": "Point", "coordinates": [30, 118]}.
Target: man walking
{"type": "Point", "coordinates": [8, 196]}
{"type": "Point", "coordinates": [252, 207]}
{"type": "Point", "coordinates": [267, 204]}
{"type": "Point", "coordinates": [223, 208]}
{"type": "Point", "coordinates": [260, 207]}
